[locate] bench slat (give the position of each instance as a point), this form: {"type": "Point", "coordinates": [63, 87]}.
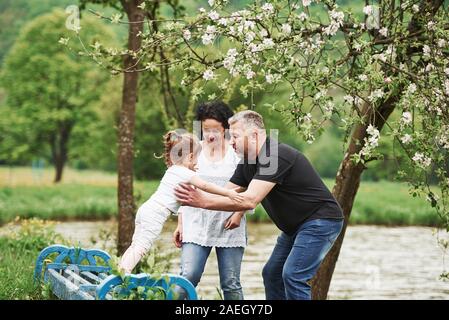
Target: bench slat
{"type": "Point", "coordinates": [64, 289]}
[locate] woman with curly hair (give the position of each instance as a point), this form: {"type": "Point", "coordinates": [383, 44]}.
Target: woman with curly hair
{"type": "Point", "coordinates": [200, 230]}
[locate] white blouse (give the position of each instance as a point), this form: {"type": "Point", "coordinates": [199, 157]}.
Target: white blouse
{"type": "Point", "coordinates": [206, 227]}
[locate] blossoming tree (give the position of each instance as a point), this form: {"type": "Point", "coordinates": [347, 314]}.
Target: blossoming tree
{"type": "Point", "coordinates": [371, 67]}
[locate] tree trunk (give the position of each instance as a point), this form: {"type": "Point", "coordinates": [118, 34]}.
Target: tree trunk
{"type": "Point", "coordinates": [126, 205]}
{"type": "Point", "coordinates": [59, 150]}
{"type": "Point", "coordinates": [346, 186]}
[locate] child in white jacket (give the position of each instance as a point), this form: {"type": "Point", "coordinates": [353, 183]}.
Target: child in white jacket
{"type": "Point", "coordinates": [181, 152]}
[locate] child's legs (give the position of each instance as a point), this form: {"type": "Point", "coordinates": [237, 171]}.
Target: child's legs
{"type": "Point", "coordinates": [149, 223]}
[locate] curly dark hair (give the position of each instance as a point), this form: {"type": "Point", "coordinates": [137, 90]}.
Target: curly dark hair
{"type": "Point", "coordinates": [217, 110]}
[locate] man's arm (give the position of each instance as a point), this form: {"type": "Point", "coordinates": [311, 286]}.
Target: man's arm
{"type": "Point", "coordinates": [256, 191]}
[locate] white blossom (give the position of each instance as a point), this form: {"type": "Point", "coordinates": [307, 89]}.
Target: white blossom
{"type": "Point", "coordinates": [306, 3]}
{"type": "Point", "coordinates": [406, 117]}
{"type": "Point", "coordinates": [384, 32]}
{"type": "Point", "coordinates": [376, 94]}
{"type": "Point", "coordinates": [207, 38]}
{"type": "Point", "coordinates": [286, 28]}
{"type": "Point", "coordinates": [263, 33]}
{"type": "Point", "coordinates": [422, 160]}
{"type": "Point", "coordinates": [411, 88]}
{"type": "Point", "coordinates": [208, 74]}
{"type": "Point", "coordinates": [406, 138]}
{"type": "Point", "coordinates": [186, 34]}
{"type": "Point", "coordinates": [211, 2]}
{"type": "Point", "coordinates": [64, 41]}
{"type": "Point", "coordinates": [302, 16]}
{"type": "Point", "coordinates": [268, 43]}
{"type": "Point", "coordinates": [349, 99]}
{"type": "Point", "coordinates": [250, 74]}
{"type": "Point", "coordinates": [415, 8]}
{"type": "Point", "coordinates": [363, 77]}
{"type": "Point", "coordinates": [372, 141]}
{"type": "Point", "coordinates": [442, 43]}
{"type": "Point", "coordinates": [443, 138]}
{"type": "Point", "coordinates": [426, 50]}
{"type": "Point", "coordinates": [223, 22]}
{"type": "Point", "coordinates": [268, 8]}
{"type": "Point", "coordinates": [368, 10]}
{"type": "Point", "coordinates": [213, 15]}
{"type": "Point", "coordinates": [211, 29]}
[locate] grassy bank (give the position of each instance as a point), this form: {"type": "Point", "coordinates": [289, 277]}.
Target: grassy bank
{"type": "Point", "coordinates": [19, 251]}
{"type": "Point", "coordinates": [92, 195]}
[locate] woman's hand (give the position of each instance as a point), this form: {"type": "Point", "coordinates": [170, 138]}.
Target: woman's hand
{"type": "Point", "coordinates": [177, 236]}
{"type": "Point", "coordinates": [234, 221]}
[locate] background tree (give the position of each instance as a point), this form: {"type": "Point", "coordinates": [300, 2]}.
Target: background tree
{"type": "Point", "coordinates": [48, 89]}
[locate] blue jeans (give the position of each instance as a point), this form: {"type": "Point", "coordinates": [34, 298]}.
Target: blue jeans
{"type": "Point", "coordinates": [193, 260]}
{"type": "Point", "coordinates": [295, 259]}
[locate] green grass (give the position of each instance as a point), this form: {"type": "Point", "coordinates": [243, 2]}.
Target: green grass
{"type": "Point", "coordinates": [18, 253]}
{"type": "Point", "coordinates": [90, 195]}
{"type": "Point", "coordinates": [383, 203]}
{"type": "Point", "coordinates": [64, 202]}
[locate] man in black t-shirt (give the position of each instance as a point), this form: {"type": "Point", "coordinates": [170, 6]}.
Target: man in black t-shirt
{"type": "Point", "coordinates": [294, 196]}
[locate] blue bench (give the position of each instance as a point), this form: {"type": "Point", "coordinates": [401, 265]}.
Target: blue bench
{"type": "Point", "coordinates": [81, 274]}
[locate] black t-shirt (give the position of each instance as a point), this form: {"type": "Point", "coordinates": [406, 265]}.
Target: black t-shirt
{"type": "Point", "coordinates": [299, 194]}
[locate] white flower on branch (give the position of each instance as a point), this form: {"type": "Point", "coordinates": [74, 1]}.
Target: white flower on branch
{"type": "Point", "coordinates": [349, 99]}
{"type": "Point", "coordinates": [213, 15]}
{"type": "Point", "coordinates": [376, 94]}
{"type": "Point", "coordinates": [422, 160]}
{"type": "Point", "coordinates": [268, 8]}
{"type": "Point", "coordinates": [116, 18]}
{"type": "Point", "coordinates": [207, 38]}
{"type": "Point", "coordinates": [411, 88]}
{"type": "Point", "coordinates": [431, 25]}
{"type": "Point", "coordinates": [371, 142]}
{"type": "Point", "coordinates": [406, 138]}
{"type": "Point", "coordinates": [443, 139]}
{"type": "Point", "coordinates": [250, 74]}
{"type": "Point", "coordinates": [267, 43]}
{"type": "Point", "coordinates": [223, 22]}
{"type": "Point", "coordinates": [415, 8]}
{"type": "Point", "coordinates": [250, 36]}
{"type": "Point", "coordinates": [368, 10]}
{"type": "Point", "coordinates": [286, 28]}
{"type": "Point", "coordinates": [426, 50]}
{"type": "Point", "coordinates": [208, 75]}
{"type": "Point", "coordinates": [211, 2]}
{"type": "Point", "coordinates": [441, 43]}
{"type": "Point", "coordinates": [446, 87]}
{"type": "Point", "coordinates": [249, 25]}
{"type": "Point", "coordinates": [186, 34]}
{"type": "Point", "coordinates": [306, 3]}
{"type": "Point", "coordinates": [406, 118]}
{"type": "Point", "coordinates": [384, 32]}
{"type": "Point", "coordinates": [64, 41]}
{"type": "Point", "coordinates": [303, 16]}
{"type": "Point", "coordinates": [363, 77]}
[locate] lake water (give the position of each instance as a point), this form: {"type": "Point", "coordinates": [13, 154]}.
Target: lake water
{"type": "Point", "coordinates": [375, 262]}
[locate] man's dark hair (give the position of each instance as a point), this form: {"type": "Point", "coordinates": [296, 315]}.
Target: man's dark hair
{"type": "Point", "coordinates": [217, 110]}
